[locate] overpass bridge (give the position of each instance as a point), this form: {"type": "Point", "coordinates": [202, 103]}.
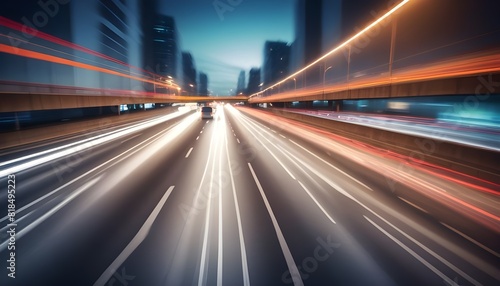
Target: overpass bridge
{"type": "Point", "coordinates": [18, 96]}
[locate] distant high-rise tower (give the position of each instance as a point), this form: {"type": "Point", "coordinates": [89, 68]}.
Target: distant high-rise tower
{"type": "Point", "coordinates": [308, 32]}
{"type": "Point", "coordinates": [189, 73]}
{"type": "Point", "coordinates": [165, 49]}
{"type": "Point", "coordinates": [320, 25]}
{"type": "Point", "coordinates": [113, 28]}
{"type": "Point", "coordinates": [241, 83]}
{"type": "Point", "coordinates": [276, 61]}
{"type": "Point", "coordinates": [148, 9]}
{"type": "Point", "coordinates": [203, 84]}
{"type": "Point", "coordinates": [253, 81]}
{"type": "Point", "coordinates": [356, 14]}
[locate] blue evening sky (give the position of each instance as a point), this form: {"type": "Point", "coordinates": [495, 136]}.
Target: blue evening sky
{"type": "Point", "coordinates": [223, 42]}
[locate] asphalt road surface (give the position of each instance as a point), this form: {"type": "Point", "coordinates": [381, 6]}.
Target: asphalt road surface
{"type": "Point", "coordinates": [244, 198]}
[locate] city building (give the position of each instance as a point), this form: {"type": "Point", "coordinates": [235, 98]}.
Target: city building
{"type": "Point", "coordinates": [147, 22]}
{"type": "Point", "coordinates": [308, 32]}
{"type": "Point", "coordinates": [189, 74]}
{"type": "Point", "coordinates": [240, 88]}
{"type": "Point", "coordinates": [165, 49]}
{"type": "Point", "coordinates": [253, 81]}
{"type": "Point", "coordinates": [203, 84]}
{"type": "Point", "coordinates": [321, 25]}
{"type": "Point", "coordinates": [276, 61]}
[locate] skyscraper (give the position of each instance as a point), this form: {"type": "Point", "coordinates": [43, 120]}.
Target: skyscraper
{"type": "Point", "coordinates": [308, 32]}
{"type": "Point", "coordinates": [113, 28]}
{"type": "Point", "coordinates": [240, 88]}
{"type": "Point", "coordinates": [189, 73]}
{"type": "Point", "coordinates": [203, 84]}
{"type": "Point", "coordinates": [321, 25]}
{"type": "Point", "coordinates": [165, 49]}
{"type": "Point", "coordinates": [253, 81]}
{"type": "Point", "coordinates": [276, 61]}
{"type": "Point", "coordinates": [147, 9]}
{"type": "Point", "coordinates": [56, 21]}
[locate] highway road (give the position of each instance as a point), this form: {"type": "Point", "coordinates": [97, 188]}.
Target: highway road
{"type": "Point", "coordinates": [245, 198]}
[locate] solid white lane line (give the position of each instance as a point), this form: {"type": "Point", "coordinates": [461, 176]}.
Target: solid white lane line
{"type": "Point", "coordinates": [332, 166]}
{"type": "Point", "coordinates": [220, 244]}
{"type": "Point", "coordinates": [136, 241]}
{"type": "Point", "coordinates": [189, 152]}
{"type": "Point", "coordinates": [203, 259]}
{"type": "Point", "coordinates": [414, 254]}
{"type": "Point", "coordinates": [413, 205]}
{"type": "Point", "coordinates": [244, 263]}
{"type": "Point", "coordinates": [317, 203]}
{"type": "Point", "coordinates": [48, 214]}
{"type": "Point", "coordinates": [292, 267]}
{"type": "Point", "coordinates": [269, 150]}
{"type": "Point", "coordinates": [473, 241]}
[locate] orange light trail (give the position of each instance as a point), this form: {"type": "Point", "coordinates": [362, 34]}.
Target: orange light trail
{"type": "Point", "coordinates": [39, 34]}
{"type": "Point", "coordinates": [44, 57]}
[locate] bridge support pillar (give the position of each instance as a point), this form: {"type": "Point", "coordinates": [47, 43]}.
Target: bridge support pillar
{"type": "Point", "coordinates": [338, 105]}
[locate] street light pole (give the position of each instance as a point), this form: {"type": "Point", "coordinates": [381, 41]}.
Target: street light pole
{"type": "Point", "coordinates": [393, 43]}
{"type": "Point", "coordinates": [324, 77]}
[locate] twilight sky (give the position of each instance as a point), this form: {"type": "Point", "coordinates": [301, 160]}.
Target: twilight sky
{"type": "Point", "coordinates": [231, 37]}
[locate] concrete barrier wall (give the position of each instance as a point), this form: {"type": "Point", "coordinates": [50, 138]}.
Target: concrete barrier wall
{"type": "Point", "coordinates": [461, 158]}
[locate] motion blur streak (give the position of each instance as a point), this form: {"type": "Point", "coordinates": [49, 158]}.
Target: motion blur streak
{"type": "Point", "coordinates": [81, 145]}
{"type": "Point", "coordinates": [392, 169]}
{"type": "Point", "coordinates": [18, 27]}
{"type": "Point", "coordinates": [57, 60]}
{"type": "Point", "coordinates": [258, 201]}
{"type": "Point", "coordinates": [48, 214]}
